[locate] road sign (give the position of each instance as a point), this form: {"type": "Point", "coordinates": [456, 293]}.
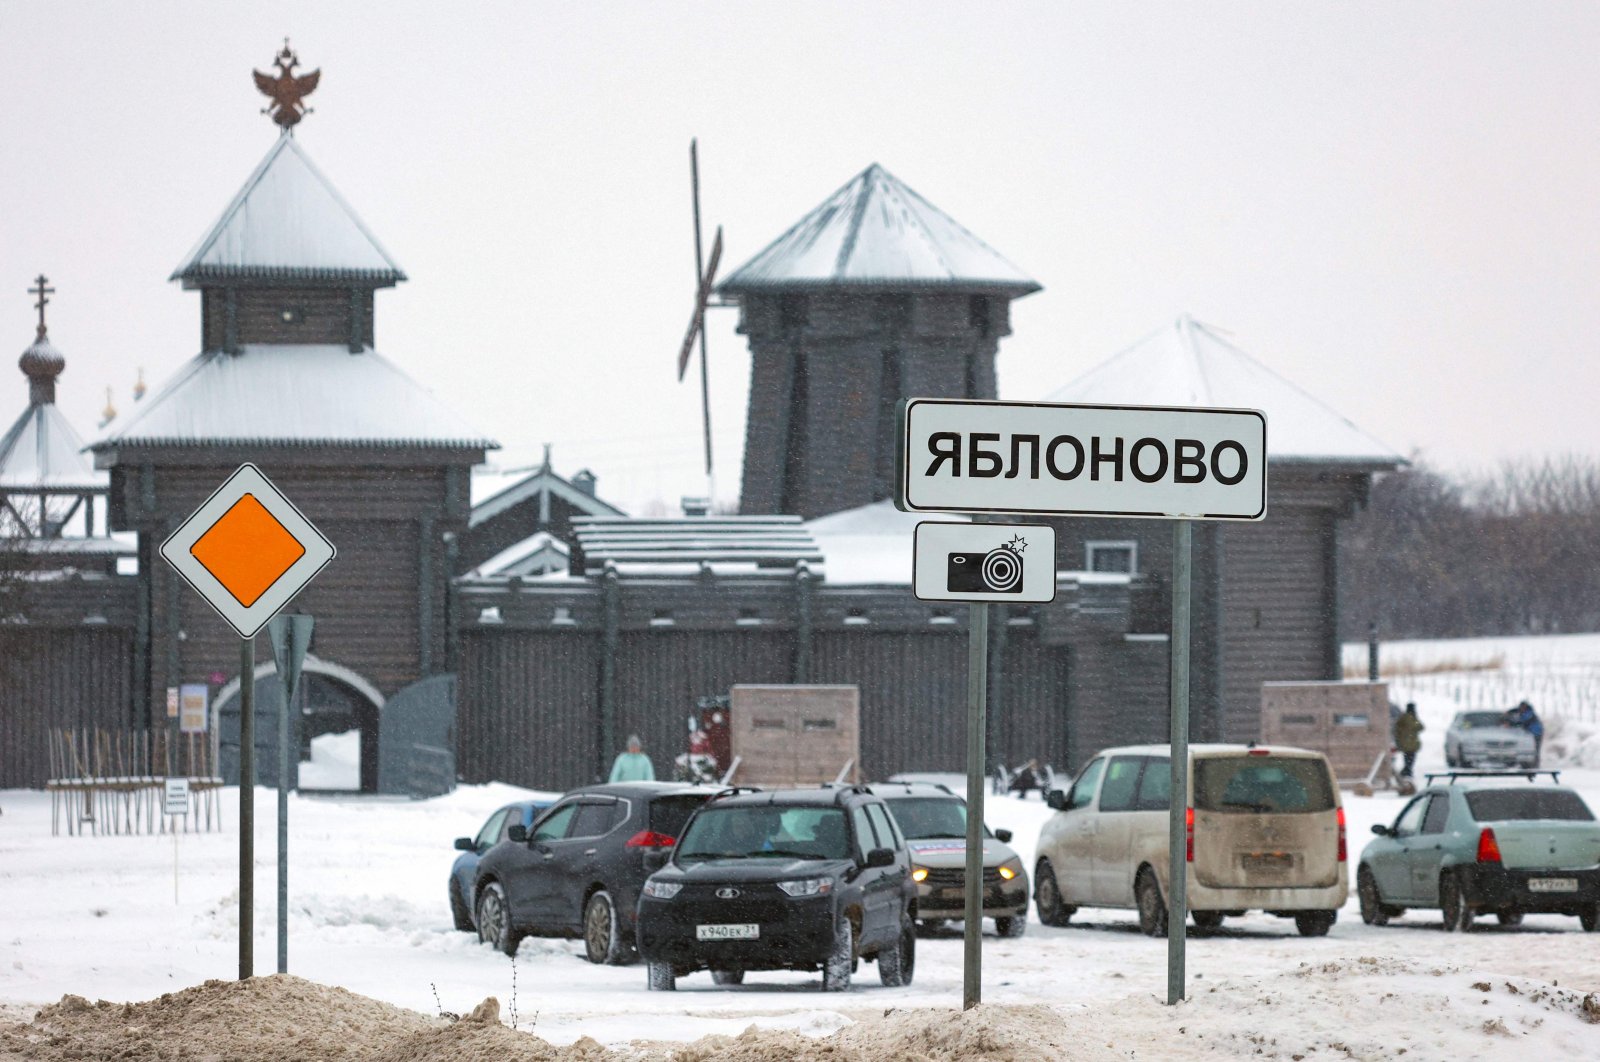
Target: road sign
{"type": "Point", "coordinates": [1052, 459]}
{"type": "Point", "coordinates": [194, 707]}
{"type": "Point", "coordinates": [1004, 563]}
{"type": "Point", "coordinates": [247, 550]}
{"type": "Point", "coordinates": [177, 796]}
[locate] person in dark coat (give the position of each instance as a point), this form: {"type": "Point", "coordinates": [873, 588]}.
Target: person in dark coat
{"type": "Point", "coordinates": [1408, 737]}
{"type": "Point", "coordinates": [1027, 778]}
{"type": "Point", "coordinates": [1524, 717]}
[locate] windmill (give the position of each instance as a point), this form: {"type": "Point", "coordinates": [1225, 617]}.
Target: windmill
{"type": "Point", "coordinates": [704, 276]}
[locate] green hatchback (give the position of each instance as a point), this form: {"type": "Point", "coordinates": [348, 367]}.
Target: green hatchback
{"type": "Point", "coordinates": [1479, 843]}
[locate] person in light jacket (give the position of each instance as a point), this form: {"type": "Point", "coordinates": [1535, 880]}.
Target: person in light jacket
{"type": "Point", "coordinates": [633, 765]}
{"type": "Point", "coordinates": [1408, 737]}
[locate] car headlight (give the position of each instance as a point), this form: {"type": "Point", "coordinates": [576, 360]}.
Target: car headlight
{"type": "Point", "coordinates": [1010, 869]}
{"type": "Point", "coordinates": [807, 886]}
{"type": "Point", "coordinates": [919, 873]}
{"type": "Point", "coordinates": [662, 890]}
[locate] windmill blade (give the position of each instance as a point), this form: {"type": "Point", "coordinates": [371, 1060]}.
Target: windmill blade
{"type": "Point", "coordinates": [702, 297]}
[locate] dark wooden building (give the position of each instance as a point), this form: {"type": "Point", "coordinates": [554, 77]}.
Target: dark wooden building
{"type": "Point", "coordinates": [288, 378]}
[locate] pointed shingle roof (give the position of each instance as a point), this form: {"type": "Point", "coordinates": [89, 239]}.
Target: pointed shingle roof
{"type": "Point", "coordinates": [295, 395]}
{"type": "Point", "coordinates": [1187, 363]}
{"type": "Point", "coordinates": [40, 450]}
{"type": "Point", "coordinates": [877, 233]}
{"type": "Point", "coordinates": [288, 222]}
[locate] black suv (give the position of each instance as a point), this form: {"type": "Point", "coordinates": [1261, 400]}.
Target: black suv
{"type": "Point", "coordinates": [579, 869]}
{"type": "Point", "coordinates": [794, 879]}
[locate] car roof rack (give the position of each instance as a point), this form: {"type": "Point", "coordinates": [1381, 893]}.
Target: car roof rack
{"type": "Point", "coordinates": [1528, 773]}
{"type": "Point", "coordinates": [733, 790]}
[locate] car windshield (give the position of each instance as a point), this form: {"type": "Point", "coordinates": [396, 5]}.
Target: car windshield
{"type": "Point", "coordinates": [922, 818]}
{"type": "Point", "coordinates": [765, 831]}
{"type": "Point", "coordinates": [1262, 784]}
{"type": "Point", "coordinates": [1479, 720]}
{"type": "Point", "coordinates": [1514, 805]}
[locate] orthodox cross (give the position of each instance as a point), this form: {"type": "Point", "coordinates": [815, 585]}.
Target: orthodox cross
{"type": "Point", "coordinates": [286, 90]}
{"type": "Point", "coordinates": [42, 289]}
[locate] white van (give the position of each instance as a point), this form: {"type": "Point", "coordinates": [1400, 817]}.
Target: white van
{"type": "Point", "coordinates": [1265, 832]}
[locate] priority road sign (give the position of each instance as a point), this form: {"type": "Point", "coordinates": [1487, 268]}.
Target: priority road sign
{"type": "Point", "coordinates": [247, 550]}
{"type": "Point", "coordinates": [1002, 563]}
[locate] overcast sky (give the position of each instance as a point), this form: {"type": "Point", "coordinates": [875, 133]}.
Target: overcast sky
{"type": "Point", "coordinates": [1394, 206]}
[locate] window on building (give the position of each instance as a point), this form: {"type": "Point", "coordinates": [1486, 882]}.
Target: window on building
{"type": "Point", "coordinates": [1121, 556]}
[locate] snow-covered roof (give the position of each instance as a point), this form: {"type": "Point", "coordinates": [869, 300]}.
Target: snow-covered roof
{"type": "Point", "coordinates": [542, 480]}
{"type": "Point", "coordinates": [539, 554]}
{"type": "Point", "coordinates": [288, 222]}
{"type": "Point", "coordinates": [295, 395]}
{"type": "Point", "coordinates": [1187, 363]}
{"type": "Point", "coordinates": [42, 452]}
{"type": "Point", "coordinates": [868, 545]}
{"type": "Point", "coordinates": [876, 232]}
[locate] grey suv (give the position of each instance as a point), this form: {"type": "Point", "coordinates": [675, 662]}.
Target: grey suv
{"type": "Point", "coordinates": [797, 879]}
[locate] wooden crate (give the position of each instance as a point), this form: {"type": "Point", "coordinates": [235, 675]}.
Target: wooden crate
{"type": "Point", "coordinates": [1346, 721]}
{"type": "Point", "coordinates": [795, 735]}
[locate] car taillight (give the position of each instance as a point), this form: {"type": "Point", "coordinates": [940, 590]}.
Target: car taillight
{"type": "Point", "coordinates": [1188, 834]}
{"type": "Point", "coordinates": [1488, 847]}
{"type": "Point", "coordinates": [1344, 851]}
{"type": "Point", "coordinates": [651, 839]}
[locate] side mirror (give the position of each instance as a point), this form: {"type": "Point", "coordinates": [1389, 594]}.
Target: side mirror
{"type": "Point", "coordinates": [1003, 836]}
{"type": "Point", "coordinates": [1056, 799]}
{"type": "Point", "coordinates": [518, 833]}
{"type": "Point", "coordinates": [880, 857]}
{"type": "Point", "coordinates": [464, 844]}
{"type": "Point", "coordinates": [1380, 829]}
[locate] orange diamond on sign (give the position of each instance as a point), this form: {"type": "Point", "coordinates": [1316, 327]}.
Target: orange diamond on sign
{"type": "Point", "coordinates": [247, 550]}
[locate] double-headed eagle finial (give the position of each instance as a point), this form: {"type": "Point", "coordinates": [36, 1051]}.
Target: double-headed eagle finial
{"type": "Point", "coordinates": [285, 89]}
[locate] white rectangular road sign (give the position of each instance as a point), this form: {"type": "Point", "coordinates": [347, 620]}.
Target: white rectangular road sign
{"type": "Point", "coordinates": [1053, 459]}
{"type": "Point", "coordinates": [177, 796]}
{"type": "Point", "coordinates": [1013, 563]}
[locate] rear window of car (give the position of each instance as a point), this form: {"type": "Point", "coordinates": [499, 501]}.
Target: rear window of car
{"type": "Point", "coordinates": [1272, 784]}
{"type": "Point", "coordinates": [1521, 805]}
{"type": "Point", "coordinates": [1479, 720]}
{"type": "Point", "coordinates": [669, 813]}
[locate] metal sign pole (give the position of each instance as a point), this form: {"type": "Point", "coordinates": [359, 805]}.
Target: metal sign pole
{"type": "Point", "coordinates": [291, 638]}
{"type": "Point", "coordinates": [247, 806]}
{"type": "Point", "coordinates": [1178, 809]}
{"type": "Point", "coordinates": [977, 725]}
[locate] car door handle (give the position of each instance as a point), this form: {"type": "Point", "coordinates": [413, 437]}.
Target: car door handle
{"type": "Point", "coordinates": [590, 851]}
{"type": "Point", "coordinates": [549, 855]}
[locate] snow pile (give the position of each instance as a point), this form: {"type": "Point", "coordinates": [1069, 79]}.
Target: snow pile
{"type": "Point", "coordinates": [335, 762]}
{"type": "Point", "coordinates": [1571, 742]}
{"type": "Point", "coordinates": [1353, 1008]}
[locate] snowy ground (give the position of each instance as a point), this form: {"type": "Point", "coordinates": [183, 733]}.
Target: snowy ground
{"type": "Point", "coordinates": [96, 916]}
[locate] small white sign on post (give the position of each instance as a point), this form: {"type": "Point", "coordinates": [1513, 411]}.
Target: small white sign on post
{"type": "Point", "coordinates": [1002, 563]}
{"type": "Point", "coordinates": [1052, 459]}
{"type": "Point", "coordinates": [177, 796]}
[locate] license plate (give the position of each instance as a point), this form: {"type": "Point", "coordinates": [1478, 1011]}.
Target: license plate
{"type": "Point", "coordinates": [1270, 862]}
{"type": "Point", "coordinates": [745, 931]}
{"type": "Point", "coordinates": [1552, 884]}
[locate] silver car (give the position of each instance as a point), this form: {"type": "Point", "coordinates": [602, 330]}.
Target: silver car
{"type": "Point", "coordinates": [1483, 739]}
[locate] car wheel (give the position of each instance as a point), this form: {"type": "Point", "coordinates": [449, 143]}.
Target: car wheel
{"type": "Point", "coordinates": [1373, 913]}
{"type": "Point", "coordinates": [602, 932]}
{"type": "Point", "coordinates": [1047, 896]}
{"type": "Point", "coordinates": [660, 977]}
{"type": "Point", "coordinates": [494, 919]}
{"type": "Point", "coordinates": [1152, 909]}
{"type": "Point", "coordinates": [841, 960]}
{"type": "Point", "coordinates": [1208, 921]}
{"type": "Point", "coordinates": [1453, 905]}
{"type": "Point", "coordinates": [458, 908]}
{"type": "Point", "coordinates": [1012, 926]}
{"type": "Point", "coordinates": [1509, 918]}
{"type": "Point", "coordinates": [1315, 923]}
{"type": "Point", "coordinates": [726, 977]}
{"type": "Point", "coordinates": [1589, 918]}
{"type": "Point", "coordinates": [897, 964]}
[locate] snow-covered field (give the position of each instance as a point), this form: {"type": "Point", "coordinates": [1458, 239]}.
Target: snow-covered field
{"type": "Point", "coordinates": [96, 916]}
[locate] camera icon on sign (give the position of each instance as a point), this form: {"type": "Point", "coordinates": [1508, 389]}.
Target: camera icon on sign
{"type": "Point", "coordinates": [998, 571]}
